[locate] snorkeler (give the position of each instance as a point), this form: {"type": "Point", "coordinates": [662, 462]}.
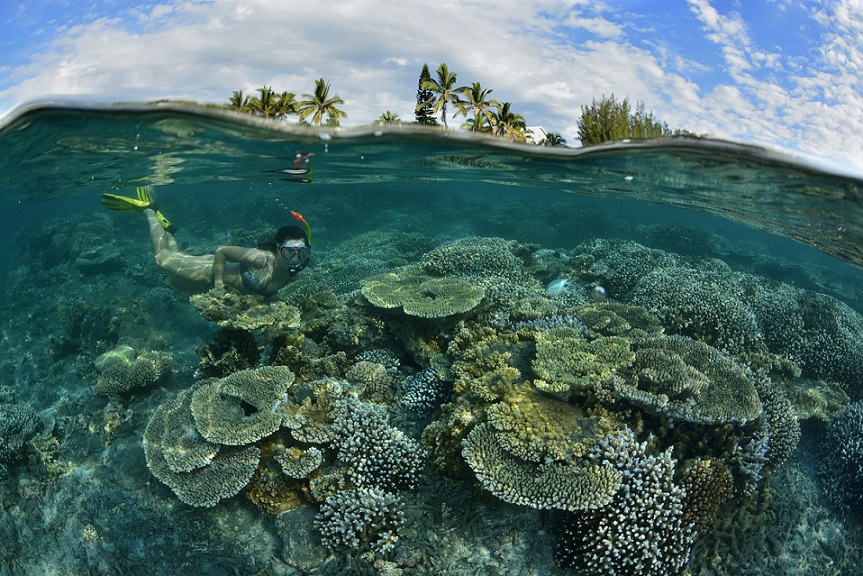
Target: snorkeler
{"type": "Point", "coordinates": [262, 270]}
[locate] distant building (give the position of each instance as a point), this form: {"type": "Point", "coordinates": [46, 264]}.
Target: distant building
{"type": "Point", "coordinates": [535, 134]}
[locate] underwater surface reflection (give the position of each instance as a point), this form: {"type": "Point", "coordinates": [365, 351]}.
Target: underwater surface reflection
{"type": "Point", "coordinates": [634, 359]}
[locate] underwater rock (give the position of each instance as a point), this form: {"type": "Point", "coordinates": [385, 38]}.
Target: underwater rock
{"type": "Point", "coordinates": [100, 259]}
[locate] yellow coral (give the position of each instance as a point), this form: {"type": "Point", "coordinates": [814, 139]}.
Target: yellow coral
{"type": "Point", "coordinates": [566, 361]}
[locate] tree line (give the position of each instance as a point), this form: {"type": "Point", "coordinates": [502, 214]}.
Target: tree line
{"type": "Point", "coordinates": [605, 120]}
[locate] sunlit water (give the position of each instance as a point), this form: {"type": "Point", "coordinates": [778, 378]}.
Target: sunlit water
{"type": "Point", "coordinates": [77, 495]}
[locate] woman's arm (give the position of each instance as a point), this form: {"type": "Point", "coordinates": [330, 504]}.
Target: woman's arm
{"type": "Point", "coordinates": [227, 254]}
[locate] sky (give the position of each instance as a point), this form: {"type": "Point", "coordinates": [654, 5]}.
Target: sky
{"type": "Point", "coordinates": [779, 73]}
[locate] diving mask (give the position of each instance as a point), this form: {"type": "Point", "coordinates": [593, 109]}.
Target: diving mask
{"type": "Point", "coordinates": [296, 255]}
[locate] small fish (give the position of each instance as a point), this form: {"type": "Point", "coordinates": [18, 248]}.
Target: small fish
{"type": "Point", "coordinates": [599, 294]}
{"type": "Point", "coordinates": [558, 286]}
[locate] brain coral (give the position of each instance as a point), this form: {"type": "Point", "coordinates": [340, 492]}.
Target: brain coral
{"type": "Point", "coordinates": [551, 484]}
{"type": "Point", "coordinates": [421, 295]}
{"type": "Point", "coordinates": [689, 380]}
{"type": "Point", "coordinates": [200, 473]}
{"type": "Point", "coordinates": [241, 408]}
{"type": "Point", "coordinates": [644, 530]}
{"type": "Point", "coordinates": [842, 465]}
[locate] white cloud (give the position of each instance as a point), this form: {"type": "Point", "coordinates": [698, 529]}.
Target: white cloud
{"type": "Point", "coordinates": [372, 51]}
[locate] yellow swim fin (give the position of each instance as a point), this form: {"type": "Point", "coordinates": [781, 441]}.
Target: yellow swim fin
{"type": "Point", "coordinates": [123, 203]}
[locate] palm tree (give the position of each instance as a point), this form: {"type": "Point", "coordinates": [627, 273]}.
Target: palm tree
{"type": "Point", "coordinates": [319, 104]}
{"type": "Point", "coordinates": [552, 139]}
{"type": "Point", "coordinates": [389, 118]}
{"type": "Point", "coordinates": [265, 104]}
{"type": "Point", "coordinates": [444, 88]}
{"type": "Point", "coordinates": [505, 123]}
{"type": "Point", "coordinates": [476, 102]}
{"type": "Point", "coordinates": [286, 104]}
{"type": "Point", "coordinates": [238, 101]}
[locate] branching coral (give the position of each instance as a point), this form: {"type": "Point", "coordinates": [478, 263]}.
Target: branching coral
{"type": "Point", "coordinates": [644, 530]}
{"type": "Point", "coordinates": [363, 518]}
{"type": "Point", "coordinates": [842, 465]}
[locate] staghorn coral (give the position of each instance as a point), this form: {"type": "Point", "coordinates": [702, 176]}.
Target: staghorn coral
{"type": "Point", "coordinates": [551, 484]}
{"type": "Point", "coordinates": [644, 530]}
{"type": "Point", "coordinates": [567, 362]}
{"type": "Point", "coordinates": [421, 295]}
{"type": "Point", "coordinates": [224, 471]}
{"type": "Point", "coordinates": [687, 380]}
{"type": "Point", "coordinates": [841, 469]}
{"type": "Point", "coordinates": [361, 519]}
{"type": "Point", "coordinates": [375, 454]}
{"type": "Point", "coordinates": [236, 311]}
{"type": "Point", "coordinates": [240, 409]}
{"type": "Point", "coordinates": [142, 372]}
{"type": "Point", "coordinates": [18, 425]}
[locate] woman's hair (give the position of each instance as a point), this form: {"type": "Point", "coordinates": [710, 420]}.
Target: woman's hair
{"type": "Point", "coordinates": [284, 234]}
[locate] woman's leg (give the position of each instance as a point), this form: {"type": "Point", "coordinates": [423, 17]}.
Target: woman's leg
{"type": "Point", "coordinates": [195, 269]}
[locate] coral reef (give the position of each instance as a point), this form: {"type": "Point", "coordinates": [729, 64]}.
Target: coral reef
{"type": "Point", "coordinates": [644, 530]}
{"type": "Point", "coordinates": [421, 295]}
{"type": "Point", "coordinates": [18, 425]}
{"type": "Point", "coordinates": [362, 518]}
{"type": "Point", "coordinates": [423, 392]}
{"type": "Point", "coordinates": [551, 484]}
{"type": "Point", "coordinates": [689, 380]}
{"type": "Point", "coordinates": [241, 408]}
{"type": "Point", "coordinates": [841, 470]}
{"type": "Point", "coordinates": [235, 311]}
{"type": "Point", "coordinates": [123, 375]}
{"type": "Point", "coordinates": [482, 257]}
{"type": "Point", "coordinates": [200, 473]}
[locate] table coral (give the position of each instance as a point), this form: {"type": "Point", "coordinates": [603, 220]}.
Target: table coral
{"type": "Point", "coordinates": [142, 372]}
{"type": "Point", "coordinates": [552, 484]}
{"type": "Point", "coordinates": [566, 361]}
{"type": "Point", "coordinates": [207, 474]}
{"type": "Point", "coordinates": [241, 408]}
{"type": "Point", "coordinates": [421, 295]}
{"type": "Point", "coordinates": [689, 380]}
{"type": "Point", "coordinates": [237, 311]}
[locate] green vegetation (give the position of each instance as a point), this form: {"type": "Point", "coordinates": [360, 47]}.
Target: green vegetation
{"type": "Point", "coordinates": [606, 120]}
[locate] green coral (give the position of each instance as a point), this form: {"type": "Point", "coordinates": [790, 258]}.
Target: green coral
{"type": "Point", "coordinates": [551, 484]}
{"type": "Point", "coordinates": [241, 408]}
{"type": "Point", "coordinates": [421, 295]}
{"type": "Point", "coordinates": [566, 361]}
{"type": "Point", "coordinates": [207, 473]}
{"type": "Point", "coordinates": [481, 257]}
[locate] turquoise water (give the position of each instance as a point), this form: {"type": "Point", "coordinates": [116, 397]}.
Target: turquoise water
{"type": "Point", "coordinates": [471, 437]}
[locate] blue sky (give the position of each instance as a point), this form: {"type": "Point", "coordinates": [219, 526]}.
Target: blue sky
{"type": "Point", "coordinates": [774, 72]}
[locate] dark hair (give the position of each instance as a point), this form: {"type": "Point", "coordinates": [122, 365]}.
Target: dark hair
{"type": "Point", "coordinates": [282, 235]}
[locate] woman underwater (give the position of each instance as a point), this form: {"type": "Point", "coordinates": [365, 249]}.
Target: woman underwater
{"type": "Point", "coordinates": [262, 270]}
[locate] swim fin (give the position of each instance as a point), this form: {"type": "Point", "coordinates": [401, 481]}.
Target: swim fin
{"type": "Point", "coordinates": [123, 203]}
{"type": "Point", "coordinates": [144, 201]}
